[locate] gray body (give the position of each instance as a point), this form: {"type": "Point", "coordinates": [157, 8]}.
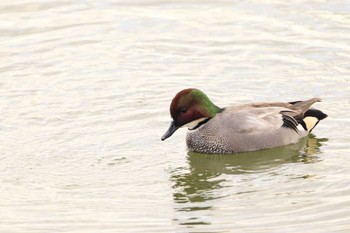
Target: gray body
{"type": "Point", "coordinates": [251, 127]}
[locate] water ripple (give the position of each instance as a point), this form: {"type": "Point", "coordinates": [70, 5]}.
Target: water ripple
{"type": "Point", "coordinates": [84, 98]}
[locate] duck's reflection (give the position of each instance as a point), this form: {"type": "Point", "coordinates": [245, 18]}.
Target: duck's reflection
{"type": "Point", "coordinates": [196, 186]}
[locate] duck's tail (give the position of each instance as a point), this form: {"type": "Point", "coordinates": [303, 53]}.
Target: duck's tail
{"type": "Point", "coordinates": [308, 117]}
{"type": "Point", "coordinates": [311, 118]}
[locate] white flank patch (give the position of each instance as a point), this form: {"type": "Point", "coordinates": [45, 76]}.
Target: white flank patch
{"type": "Point", "coordinates": [194, 123]}
{"type": "Point", "coordinates": [310, 122]}
{"type": "Point", "coordinates": [300, 128]}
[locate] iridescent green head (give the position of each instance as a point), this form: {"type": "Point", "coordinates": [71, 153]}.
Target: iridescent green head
{"type": "Point", "coordinates": [189, 108]}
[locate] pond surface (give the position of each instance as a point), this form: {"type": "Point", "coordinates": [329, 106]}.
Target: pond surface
{"type": "Point", "coordinates": [85, 90]}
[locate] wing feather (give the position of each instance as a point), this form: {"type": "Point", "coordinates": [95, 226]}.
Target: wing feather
{"type": "Point", "coordinates": [257, 117]}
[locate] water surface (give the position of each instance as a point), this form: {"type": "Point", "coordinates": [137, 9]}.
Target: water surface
{"type": "Point", "coordinates": [85, 89]}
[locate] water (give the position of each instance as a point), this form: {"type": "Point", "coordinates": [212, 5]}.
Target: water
{"type": "Point", "coordinates": [85, 89]}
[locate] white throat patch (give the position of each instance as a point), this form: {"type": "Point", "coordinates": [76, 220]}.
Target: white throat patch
{"type": "Point", "coordinates": [191, 125]}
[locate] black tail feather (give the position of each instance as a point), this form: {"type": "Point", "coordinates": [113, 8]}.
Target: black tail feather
{"type": "Point", "coordinates": [315, 113]}
{"type": "Point", "coordinates": [310, 114]}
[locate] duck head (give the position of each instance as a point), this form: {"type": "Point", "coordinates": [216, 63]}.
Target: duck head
{"type": "Point", "coordinates": [190, 108]}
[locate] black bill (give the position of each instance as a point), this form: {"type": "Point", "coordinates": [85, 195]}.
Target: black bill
{"type": "Point", "coordinates": [170, 131]}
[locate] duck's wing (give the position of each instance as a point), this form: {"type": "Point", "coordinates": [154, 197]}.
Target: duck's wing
{"type": "Point", "coordinates": [254, 120]}
{"type": "Point", "coordinates": [257, 117]}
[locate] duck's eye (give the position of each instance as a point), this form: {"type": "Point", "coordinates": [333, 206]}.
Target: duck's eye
{"type": "Point", "coordinates": [183, 110]}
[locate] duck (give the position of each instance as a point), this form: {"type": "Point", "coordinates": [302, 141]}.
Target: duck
{"type": "Point", "coordinates": [241, 128]}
